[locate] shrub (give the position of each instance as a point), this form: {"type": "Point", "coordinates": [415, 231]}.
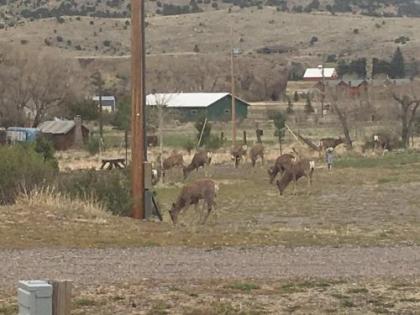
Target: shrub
{"type": "Point", "coordinates": [45, 148]}
{"type": "Point", "coordinates": [214, 143]}
{"type": "Point", "coordinates": [21, 170]}
{"type": "Point", "coordinates": [110, 188]}
{"type": "Point", "coordinates": [189, 145]}
{"type": "Point", "coordinates": [93, 146]}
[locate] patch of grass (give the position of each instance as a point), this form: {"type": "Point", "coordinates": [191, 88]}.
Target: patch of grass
{"type": "Point", "coordinates": [347, 303]}
{"type": "Point", "coordinates": [8, 309]}
{"type": "Point", "coordinates": [159, 307]}
{"type": "Point", "coordinates": [243, 286]}
{"type": "Point", "coordinates": [301, 286]}
{"type": "Point", "coordinates": [84, 302]}
{"type": "Point", "coordinates": [358, 290]}
{"type": "Point", "coordinates": [389, 160]}
{"type": "Point", "coordinates": [410, 300]}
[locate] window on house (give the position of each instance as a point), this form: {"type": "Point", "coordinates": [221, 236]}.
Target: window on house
{"type": "Point", "coordinates": [194, 111]}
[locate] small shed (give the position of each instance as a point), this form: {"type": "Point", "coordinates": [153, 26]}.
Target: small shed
{"type": "Point", "coordinates": [108, 102]}
{"type": "Point", "coordinates": [65, 134]}
{"type": "Point", "coordinates": [190, 106]}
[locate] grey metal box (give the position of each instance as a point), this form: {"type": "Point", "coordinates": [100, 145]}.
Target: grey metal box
{"type": "Point", "coordinates": [35, 297]}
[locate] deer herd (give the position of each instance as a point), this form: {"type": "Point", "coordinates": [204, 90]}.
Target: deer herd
{"type": "Point", "coordinates": [291, 167]}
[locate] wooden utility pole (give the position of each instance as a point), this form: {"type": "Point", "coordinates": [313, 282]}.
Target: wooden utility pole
{"type": "Point", "coordinates": [323, 90]}
{"type": "Point", "coordinates": [99, 83]}
{"type": "Point", "coordinates": [137, 107]}
{"type": "Point", "coordinates": [232, 75]}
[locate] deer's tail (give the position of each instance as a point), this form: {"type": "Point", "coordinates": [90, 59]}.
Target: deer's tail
{"type": "Point", "coordinates": [216, 188]}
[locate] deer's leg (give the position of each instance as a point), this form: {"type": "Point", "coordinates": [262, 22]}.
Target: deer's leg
{"type": "Point", "coordinates": [273, 176]}
{"type": "Point", "coordinates": [209, 208]}
{"type": "Point", "coordinates": [294, 184]}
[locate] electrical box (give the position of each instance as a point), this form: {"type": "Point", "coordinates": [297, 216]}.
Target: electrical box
{"type": "Point", "coordinates": [148, 175]}
{"type": "Point", "coordinates": [35, 297]}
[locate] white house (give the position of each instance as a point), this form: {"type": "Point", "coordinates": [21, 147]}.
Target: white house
{"type": "Point", "coordinates": [316, 74]}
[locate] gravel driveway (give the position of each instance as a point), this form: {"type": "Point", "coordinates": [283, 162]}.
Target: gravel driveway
{"type": "Point", "coordinates": [99, 266]}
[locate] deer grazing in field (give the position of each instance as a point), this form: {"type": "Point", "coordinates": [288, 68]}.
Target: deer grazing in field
{"type": "Point", "coordinates": [256, 151]}
{"type": "Point", "coordinates": [237, 152]}
{"type": "Point", "coordinates": [200, 159]}
{"type": "Point", "coordinates": [201, 189]}
{"type": "Point", "coordinates": [172, 161]}
{"type": "Point", "coordinates": [296, 169]}
{"type": "Point", "coordinates": [282, 162]}
{"type": "Point", "coordinates": [382, 141]}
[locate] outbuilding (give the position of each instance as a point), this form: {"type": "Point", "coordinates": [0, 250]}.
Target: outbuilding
{"type": "Point", "coordinates": [109, 103]}
{"type": "Point", "coordinates": [190, 106]}
{"type": "Point", "coordinates": [65, 134]}
{"type": "Point", "coordinates": [320, 73]}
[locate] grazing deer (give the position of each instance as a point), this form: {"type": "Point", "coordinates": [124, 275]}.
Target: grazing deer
{"type": "Point", "coordinates": [174, 160]}
{"type": "Point", "coordinates": [295, 170]}
{"type": "Point", "coordinates": [201, 189]}
{"type": "Point", "coordinates": [200, 159]}
{"type": "Point", "coordinates": [237, 152]}
{"type": "Point", "coordinates": [382, 141]}
{"type": "Point", "coordinates": [256, 151]}
{"type": "Point", "coordinates": [282, 162]}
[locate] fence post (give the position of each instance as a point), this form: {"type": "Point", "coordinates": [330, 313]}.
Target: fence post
{"type": "Point", "coordinates": [244, 140]}
{"type": "Point", "coordinates": [61, 300]}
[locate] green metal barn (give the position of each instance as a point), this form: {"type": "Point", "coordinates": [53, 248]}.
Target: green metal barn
{"type": "Point", "coordinates": [190, 106]}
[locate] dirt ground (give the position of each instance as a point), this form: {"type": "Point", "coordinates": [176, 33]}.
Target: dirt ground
{"type": "Point", "coordinates": [264, 280]}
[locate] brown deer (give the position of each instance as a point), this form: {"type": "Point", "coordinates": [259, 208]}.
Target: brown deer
{"type": "Point", "coordinates": [200, 159]}
{"type": "Point", "coordinates": [237, 152]}
{"type": "Point", "coordinates": [201, 189]}
{"type": "Point", "coordinates": [296, 169]}
{"type": "Point", "coordinates": [256, 151]}
{"type": "Point", "coordinates": [282, 162]}
{"type": "Point", "coordinates": [174, 160]}
{"type": "Point", "coordinates": [382, 141]}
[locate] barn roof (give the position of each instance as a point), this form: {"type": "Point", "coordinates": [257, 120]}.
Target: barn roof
{"type": "Point", "coordinates": [184, 99]}
{"type": "Point", "coordinates": [56, 126]}
{"type": "Point", "coordinates": [317, 73]}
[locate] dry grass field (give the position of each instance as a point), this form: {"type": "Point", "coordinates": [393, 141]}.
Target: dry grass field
{"type": "Point", "coordinates": [370, 201]}
{"type": "Point", "coordinates": [257, 28]}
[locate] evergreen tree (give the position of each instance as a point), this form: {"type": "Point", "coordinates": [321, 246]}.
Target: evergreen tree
{"type": "Point", "coordinates": [397, 65]}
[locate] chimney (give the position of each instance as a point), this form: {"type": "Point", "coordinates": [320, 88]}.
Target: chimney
{"type": "Point", "coordinates": [78, 135]}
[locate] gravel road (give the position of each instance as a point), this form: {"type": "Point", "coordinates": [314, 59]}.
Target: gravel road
{"type": "Point", "coordinates": [100, 266]}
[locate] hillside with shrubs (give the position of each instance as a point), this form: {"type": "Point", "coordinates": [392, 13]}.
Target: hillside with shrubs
{"type": "Point", "coordinates": [13, 11]}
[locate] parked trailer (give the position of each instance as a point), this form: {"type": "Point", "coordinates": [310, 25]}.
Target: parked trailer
{"type": "Point", "coordinates": [21, 134]}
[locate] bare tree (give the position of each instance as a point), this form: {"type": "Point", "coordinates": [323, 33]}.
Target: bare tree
{"type": "Point", "coordinates": [39, 85]}
{"type": "Point", "coordinates": [408, 108]}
